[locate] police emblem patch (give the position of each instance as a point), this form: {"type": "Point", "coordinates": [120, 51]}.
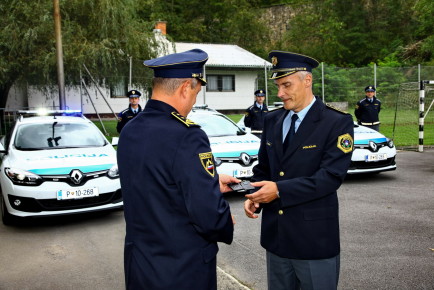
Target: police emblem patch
{"type": "Point", "coordinates": [207, 161]}
{"type": "Point", "coordinates": [345, 143]}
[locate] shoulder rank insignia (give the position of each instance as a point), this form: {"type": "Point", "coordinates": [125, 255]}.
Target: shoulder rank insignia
{"type": "Point", "coordinates": [184, 120]}
{"type": "Point", "coordinates": [207, 161]}
{"type": "Point", "coordinates": [345, 143]}
{"type": "Point", "coordinates": [336, 109]}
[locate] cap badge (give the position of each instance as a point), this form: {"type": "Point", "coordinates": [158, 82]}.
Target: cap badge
{"type": "Point", "coordinates": [274, 60]}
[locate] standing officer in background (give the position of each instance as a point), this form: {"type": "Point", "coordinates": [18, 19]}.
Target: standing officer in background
{"type": "Point", "coordinates": [367, 110]}
{"type": "Point", "coordinates": [174, 208]}
{"type": "Point", "coordinates": [254, 116]}
{"type": "Point", "coordinates": [132, 110]}
{"type": "Point", "coordinates": [304, 156]}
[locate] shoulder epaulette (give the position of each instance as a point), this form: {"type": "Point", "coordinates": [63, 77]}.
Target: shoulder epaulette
{"type": "Point", "coordinates": [125, 110]}
{"type": "Point", "coordinates": [335, 109]}
{"type": "Point", "coordinates": [184, 120]}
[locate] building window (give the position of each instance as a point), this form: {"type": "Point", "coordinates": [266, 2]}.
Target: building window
{"type": "Point", "coordinates": [119, 89]}
{"type": "Point", "coordinates": [220, 83]}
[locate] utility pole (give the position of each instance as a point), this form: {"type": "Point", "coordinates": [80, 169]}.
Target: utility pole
{"type": "Point", "coordinates": [59, 55]}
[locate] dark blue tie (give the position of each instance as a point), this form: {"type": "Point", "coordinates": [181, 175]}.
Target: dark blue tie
{"type": "Point", "coordinates": [291, 132]}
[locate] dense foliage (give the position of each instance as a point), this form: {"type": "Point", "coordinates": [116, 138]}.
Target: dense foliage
{"type": "Point", "coordinates": [104, 34]}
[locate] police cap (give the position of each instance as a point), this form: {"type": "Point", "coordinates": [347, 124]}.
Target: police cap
{"type": "Point", "coordinates": [260, 93]}
{"type": "Point", "coordinates": [370, 89]}
{"type": "Point", "coordinates": [286, 63]}
{"type": "Point", "coordinates": [188, 64]}
{"type": "Point", "coordinates": [134, 94]}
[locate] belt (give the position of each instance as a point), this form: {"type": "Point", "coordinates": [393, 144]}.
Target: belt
{"type": "Point", "coordinates": [256, 131]}
{"type": "Point", "coordinates": [369, 124]}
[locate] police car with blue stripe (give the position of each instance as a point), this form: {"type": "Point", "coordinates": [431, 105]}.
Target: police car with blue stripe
{"type": "Point", "coordinates": [235, 151]}
{"type": "Point", "coordinates": [56, 163]}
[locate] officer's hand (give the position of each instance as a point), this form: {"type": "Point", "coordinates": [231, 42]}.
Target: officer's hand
{"type": "Point", "coordinates": [250, 208]}
{"type": "Point", "coordinates": [224, 180]}
{"type": "Point", "coordinates": [267, 192]}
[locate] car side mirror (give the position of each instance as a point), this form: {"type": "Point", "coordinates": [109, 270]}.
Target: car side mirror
{"type": "Point", "coordinates": [115, 141]}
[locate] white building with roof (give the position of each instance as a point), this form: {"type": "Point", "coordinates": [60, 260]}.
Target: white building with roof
{"type": "Point", "coordinates": [232, 75]}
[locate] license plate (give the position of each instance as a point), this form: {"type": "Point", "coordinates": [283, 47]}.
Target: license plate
{"type": "Point", "coordinates": [375, 157]}
{"type": "Point", "coordinates": [77, 193]}
{"type": "Point", "coordinates": [243, 173]}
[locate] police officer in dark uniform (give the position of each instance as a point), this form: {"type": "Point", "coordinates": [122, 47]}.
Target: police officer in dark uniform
{"type": "Point", "coordinates": [132, 110]}
{"type": "Point", "coordinates": [304, 156]}
{"type": "Point", "coordinates": [174, 209]}
{"type": "Point", "coordinates": [368, 109]}
{"type": "Point", "coordinates": [254, 116]}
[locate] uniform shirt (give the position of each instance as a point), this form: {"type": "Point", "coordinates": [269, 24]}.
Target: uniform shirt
{"type": "Point", "coordinates": [254, 117]}
{"type": "Point", "coordinates": [125, 116]}
{"type": "Point", "coordinates": [304, 222]}
{"type": "Point", "coordinates": [367, 112]}
{"type": "Point", "coordinates": [174, 211]}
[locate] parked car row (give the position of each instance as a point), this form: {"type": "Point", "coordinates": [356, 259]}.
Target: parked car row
{"type": "Point", "coordinates": [61, 163]}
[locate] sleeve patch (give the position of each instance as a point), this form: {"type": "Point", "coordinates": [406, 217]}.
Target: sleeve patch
{"type": "Point", "coordinates": [345, 143]}
{"type": "Point", "coordinates": [207, 161]}
{"type": "Point", "coordinates": [184, 120]}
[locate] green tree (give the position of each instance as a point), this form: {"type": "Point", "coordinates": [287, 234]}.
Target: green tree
{"type": "Point", "coordinates": [102, 34]}
{"type": "Point", "coordinates": [227, 21]}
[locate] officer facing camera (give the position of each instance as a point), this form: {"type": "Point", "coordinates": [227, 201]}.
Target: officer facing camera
{"type": "Point", "coordinates": [254, 116]}
{"type": "Point", "coordinates": [133, 109]}
{"type": "Point", "coordinates": [174, 208]}
{"type": "Point", "coordinates": [305, 153]}
{"type": "Point", "coordinates": [368, 109]}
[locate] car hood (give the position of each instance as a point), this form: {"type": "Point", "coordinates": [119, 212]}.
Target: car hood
{"type": "Point", "coordinates": [362, 135]}
{"type": "Point", "coordinates": [233, 146]}
{"type": "Point", "coordinates": [62, 161]}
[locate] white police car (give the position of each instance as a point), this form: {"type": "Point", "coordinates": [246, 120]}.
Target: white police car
{"type": "Point", "coordinates": [56, 164]}
{"type": "Point", "coordinates": [235, 151]}
{"type": "Point", "coordinates": [373, 152]}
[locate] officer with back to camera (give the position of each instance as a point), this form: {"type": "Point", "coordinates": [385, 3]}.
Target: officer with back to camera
{"type": "Point", "coordinates": [368, 109]}
{"type": "Point", "coordinates": [254, 116]}
{"type": "Point", "coordinates": [129, 113]}
{"type": "Point", "coordinates": [174, 209]}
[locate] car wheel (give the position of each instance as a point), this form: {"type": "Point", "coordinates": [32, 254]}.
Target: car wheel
{"type": "Point", "coordinates": [7, 218]}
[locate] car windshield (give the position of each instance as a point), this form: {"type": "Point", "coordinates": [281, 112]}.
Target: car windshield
{"type": "Point", "coordinates": [57, 135]}
{"type": "Point", "coordinates": [216, 125]}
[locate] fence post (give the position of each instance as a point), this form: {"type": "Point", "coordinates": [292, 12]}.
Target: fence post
{"type": "Point", "coordinates": [421, 113]}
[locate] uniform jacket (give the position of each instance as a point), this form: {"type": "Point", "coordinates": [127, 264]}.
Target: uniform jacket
{"type": "Point", "coordinates": [254, 117]}
{"type": "Point", "coordinates": [367, 112]}
{"type": "Point", "coordinates": [303, 223]}
{"type": "Point", "coordinates": [174, 211]}
{"type": "Point", "coordinates": [125, 116]}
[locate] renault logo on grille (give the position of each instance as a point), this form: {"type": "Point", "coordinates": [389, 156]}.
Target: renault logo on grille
{"type": "Point", "coordinates": [76, 176]}
{"type": "Point", "coordinates": [245, 158]}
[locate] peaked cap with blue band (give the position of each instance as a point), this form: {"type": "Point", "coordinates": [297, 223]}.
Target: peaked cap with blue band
{"type": "Point", "coordinates": [286, 63]}
{"type": "Point", "coordinates": [188, 64]}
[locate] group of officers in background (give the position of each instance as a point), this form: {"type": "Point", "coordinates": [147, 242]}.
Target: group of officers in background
{"type": "Point", "coordinates": [367, 111]}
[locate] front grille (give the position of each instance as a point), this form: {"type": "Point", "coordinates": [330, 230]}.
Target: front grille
{"type": "Point", "coordinates": [68, 179]}
{"type": "Point", "coordinates": [371, 165]}
{"type": "Point", "coordinates": [38, 205]}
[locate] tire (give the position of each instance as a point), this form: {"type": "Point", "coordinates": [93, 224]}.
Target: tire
{"type": "Point", "coordinates": [7, 218]}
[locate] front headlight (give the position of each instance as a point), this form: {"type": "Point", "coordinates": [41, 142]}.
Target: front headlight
{"type": "Point", "coordinates": [390, 143]}
{"type": "Point", "coordinates": [22, 177]}
{"type": "Point", "coordinates": [113, 172]}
